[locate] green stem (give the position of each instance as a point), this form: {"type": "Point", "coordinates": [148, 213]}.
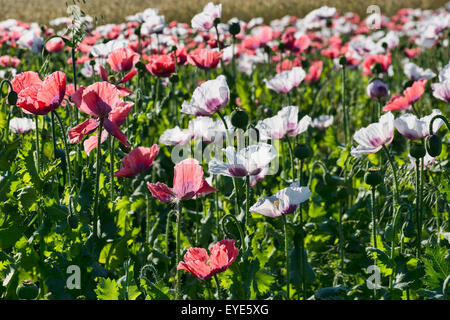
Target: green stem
{"type": "Point", "coordinates": [66, 148]}
{"type": "Point", "coordinates": [247, 202]}
{"type": "Point", "coordinates": [344, 107]}
{"type": "Point", "coordinates": [111, 170]}
{"type": "Point", "coordinates": [97, 182]}
{"type": "Point", "coordinates": [292, 159]}
{"type": "Point", "coordinates": [418, 220]}
{"type": "Point", "coordinates": [177, 240]}
{"type": "Point", "coordinates": [286, 252]}
{"type": "Point", "coordinates": [38, 153]}
{"type": "Point", "coordinates": [219, 295]}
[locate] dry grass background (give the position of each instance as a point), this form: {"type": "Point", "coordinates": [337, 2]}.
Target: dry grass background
{"type": "Point", "coordinates": [115, 11]}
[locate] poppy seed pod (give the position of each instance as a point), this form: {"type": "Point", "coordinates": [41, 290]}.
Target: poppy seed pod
{"type": "Point", "coordinates": [27, 290]}
{"type": "Point", "coordinates": [235, 28]}
{"type": "Point", "coordinates": [302, 151]}
{"type": "Point", "coordinates": [373, 177]}
{"type": "Point", "coordinates": [343, 61]}
{"type": "Point", "coordinates": [417, 150]}
{"type": "Point", "coordinates": [377, 90]}
{"type": "Point", "coordinates": [72, 221]}
{"type": "Point", "coordinates": [376, 68]}
{"type": "Point", "coordinates": [216, 21]}
{"type": "Point", "coordinates": [434, 145]}
{"type": "Point", "coordinates": [239, 119]}
{"type": "Point", "coordinates": [408, 229]}
{"type": "Point", "coordinates": [12, 98]}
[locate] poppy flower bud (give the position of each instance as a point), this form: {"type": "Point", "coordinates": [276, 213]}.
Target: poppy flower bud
{"type": "Point", "coordinates": [235, 28]}
{"type": "Point", "coordinates": [343, 61]}
{"type": "Point", "coordinates": [27, 290]}
{"type": "Point", "coordinates": [434, 145]}
{"type": "Point", "coordinates": [342, 193]}
{"type": "Point", "coordinates": [302, 151]}
{"type": "Point", "coordinates": [417, 150]}
{"type": "Point", "coordinates": [281, 46]}
{"type": "Point", "coordinates": [268, 111]}
{"type": "Point", "coordinates": [376, 68]}
{"type": "Point", "coordinates": [389, 233]}
{"type": "Point", "coordinates": [140, 66]}
{"type": "Point", "coordinates": [174, 78]}
{"type": "Point", "coordinates": [12, 98]}
{"type": "Point", "coordinates": [72, 221]}
{"type": "Point", "coordinates": [239, 119]}
{"type": "Point", "coordinates": [373, 177]}
{"type": "Point", "coordinates": [384, 45]}
{"type": "Point", "coordinates": [267, 49]}
{"type": "Point", "coordinates": [408, 229]}
{"type": "Point", "coordinates": [377, 90]}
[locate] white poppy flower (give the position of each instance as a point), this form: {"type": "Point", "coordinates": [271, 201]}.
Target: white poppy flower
{"type": "Point", "coordinates": [286, 81]}
{"type": "Point", "coordinates": [283, 202]}
{"type": "Point", "coordinates": [413, 128]}
{"type": "Point", "coordinates": [372, 138]}
{"type": "Point", "coordinates": [246, 162]}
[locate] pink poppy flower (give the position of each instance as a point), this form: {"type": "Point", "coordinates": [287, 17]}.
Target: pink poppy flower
{"type": "Point", "coordinates": [203, 58]}
{"type": "Point", "coordinates": [138, 160]}
{"type": "Point", "coordinates": [98, 100]}
{"type": "Point", "coordinates": [383, 60]}
{"type": "Point", "coordinates": [9, 62]}
{"type": "Point", "coordinates": [188, 182]}
{"type": "Point", "coordinates": [36, 96]}
{"type": "Point", "coordinates": [413, 93]}
{"type": "Point", "coordinates": [123, 59]}
{"type": "Point", "coordinates": [161, 66]}
{"type": "Point", "coordinates": [314, 71]}
{"type": "Point", "coordinates": [204, 266]}
{"type": "Point", "coordinates": [55, 45]}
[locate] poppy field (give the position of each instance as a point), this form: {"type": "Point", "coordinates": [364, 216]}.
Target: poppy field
{"type": "Point", "coordinates": [302, 158]}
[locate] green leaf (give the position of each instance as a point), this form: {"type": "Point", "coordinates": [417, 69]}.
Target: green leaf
{"type": "Point", "coordinates": [107, 289]}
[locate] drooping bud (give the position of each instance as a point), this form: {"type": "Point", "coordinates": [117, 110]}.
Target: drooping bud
{"type": "Point", "coordinates": [434, 145]}
{"type": "Point", "coordinates": [377, 90]}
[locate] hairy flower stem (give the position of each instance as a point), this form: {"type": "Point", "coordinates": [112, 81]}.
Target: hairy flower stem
{"type": "Point", "coordinates": [111, 171]}
{"type": "Point", "coordinates": [66, 148]}
{"type": "Point", "coordinates": [292, 159]}
{"type": "Point", "coordinates": [374, 232]}
{"type": "Point", "coordinates": [216, 206]}
{"type": "Point", "coordinates": [247, 202]}
{"type": "Point", "coordinates": [177, 250]}
{"type": "Point", "coordinates": [418, 208]}
{"type": "Point", "coordinates": [52, 117]}
{"type": "Point", "coordinates": [286, 252]}
{"type": "Point", "coordinates": [97, 181]}
{"type": "Point", "coordinates": [395, 209]}
{"type": "Point", "coordinates": [344, 107]}
{"type": "Point", "coordinates": [38, 153]}
{"type": "Point", "coordinates": [219, 295]}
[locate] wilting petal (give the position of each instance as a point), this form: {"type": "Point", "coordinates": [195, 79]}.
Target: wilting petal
{"type": "Point", "coordinates": [161, 191]}
{"type": "Point", "coordinates": [77, 133]}
{"type": "Point", "coordinates": [114, 130]}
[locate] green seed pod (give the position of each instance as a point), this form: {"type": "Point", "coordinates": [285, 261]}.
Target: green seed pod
{"type": "Point", "coordinates": [27, 290]}
{"type": "Point", "coordinates": [408, 229]}
{"type": "Point", "coordinates": [72, 221]}
{"type": "Point", "coordinates": [417, 150]}
{"type": "Point", "coordinates": [140, 66]}
{"type": "Point", "coordinates": [235, 28]}
{"type": "Point", "coordinates": [216, 21]}
{"type": "Point", "coordinates": [267, 49]}
{"type": "Point", "coordinates": [389, 233]}
{"type": "Point", "coordinates": [302, 151]}
{"type": "Point", "coordinates": [174, 78]}
{"type": "Point", "coordinates": [376, 68]}
{"type": "Point", "coordinates": [343, 61]}
{"type": "Point", "coordinates": [434, 145]}
{"type": "Point", "coordinates": [137, 31]}
{"type": "Point", "coordinates": [373, 177]}
{"type": "Point", "coordinates": [239, 119]}
{"type": "Point", "coordinates": [342, 193]}
{"type": "Point", "coordinates": [12, 98]}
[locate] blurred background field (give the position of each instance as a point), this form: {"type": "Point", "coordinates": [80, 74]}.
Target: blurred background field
{"type": "Point", "coordinates": [114, 11]}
